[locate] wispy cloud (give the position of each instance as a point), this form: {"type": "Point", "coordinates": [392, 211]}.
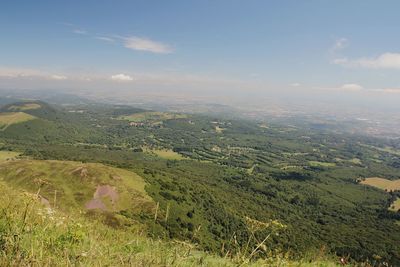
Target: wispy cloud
{"type": "Point", "coordinates": [121, 78]}
{"type": "Point", "coordinates": [339, 45]}
{"type": "Point", "coordinates": [80, 31]}
{"type": "Point", "coordinates": [58, 77]}
{"type": "Point", "coordinates": [130, 42]}
{"type": "Point", "coordinates": [351, 87]}
{"type": "Point", "coordinates": [383, 61]}
{"type": "Point", "coordinates": [295, 84]}
{"type": "Point", "coordinates": [145, 44]}
{"type": "Point", "coordinates": [347, 87]}
{"type": "Point", "coordinates": [104, 38]}
{"type": "Point", "coordinates": [387, 90]}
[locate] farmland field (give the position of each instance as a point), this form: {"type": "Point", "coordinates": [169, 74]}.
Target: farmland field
{"type": "Point", "coordinates": [321, 164]}
{"type": "Point", "coordinates": [165, 154]}
{"type": "Point", "coordinates": [152, 116]}
{"type": "Point", "coordinates": [382, 183]}
{"type": "Point", "coordinates": [23, 107]}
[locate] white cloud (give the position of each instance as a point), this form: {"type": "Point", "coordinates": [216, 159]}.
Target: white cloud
{"type": "Point", "coordinates": [79, 31]}
{"type": "Point", "coordinates": [351, 87]}
{"type": "Point", "coordinates": [144, 44]}
{"type": "Point", "coordinates": [388, 90]}
{"type": "Point", "coordinates": [347, 87]}
{"type": "Point", "coordinates": [384, 61]}
{"type": "Point", "coordinates": [295, 84]}
{"type": "Point", "coordinates": [121, 77]}
{"type": "Point", "coordinates": [339, 44]}
{"type": "Point", "coordinates": [103, 38]}
{"type": "Point", "coordinates": [58, 77]}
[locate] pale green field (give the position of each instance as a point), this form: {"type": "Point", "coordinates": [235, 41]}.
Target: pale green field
{"type": "Point", "coordinates": [355, 161]}
{"type": "Point", "coordinates": [321, 164]}
{"type": "Point", "coordinates": [164, 153]}
{"type": "Point", "coordinates": [395, 205]}
{"type": "Point", "coordinates": [152, 116]}
{"type": "Point", "coordinates": [9, 118]}
{"type": "Point", "coordinates": [6, 155]}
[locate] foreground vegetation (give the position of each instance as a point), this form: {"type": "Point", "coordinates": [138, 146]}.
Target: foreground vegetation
{"type": "Point", "coordinates": [32, 234]}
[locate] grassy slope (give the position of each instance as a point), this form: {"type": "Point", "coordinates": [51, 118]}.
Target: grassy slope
{"type": "Point", "coordinates": [73, 184]}
{"type": "Point", "coordinates": [10, 118]}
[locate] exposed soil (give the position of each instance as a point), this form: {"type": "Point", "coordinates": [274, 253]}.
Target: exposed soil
{"type": "Point", "coordinates": [102, 191]}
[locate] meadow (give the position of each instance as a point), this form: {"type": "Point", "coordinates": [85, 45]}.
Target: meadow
{"type": "Point", "coordinates": [10, 118]}
{"type": "Point", "coordinates": [152, 116]}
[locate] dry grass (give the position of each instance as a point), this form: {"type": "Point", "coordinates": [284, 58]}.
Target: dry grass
{"type": "Point", "coordinates": [27, 106]}
{"type": "Point", "coordinates": [7, 155]}
{"type": "Point", "coordinates": [382, 183]}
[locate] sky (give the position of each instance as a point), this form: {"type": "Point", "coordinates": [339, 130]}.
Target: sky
{"type": "Point", "coordinates": [344, 49]}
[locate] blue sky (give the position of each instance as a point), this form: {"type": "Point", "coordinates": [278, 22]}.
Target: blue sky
{"type": "Point", "coordinates": [304, 45]}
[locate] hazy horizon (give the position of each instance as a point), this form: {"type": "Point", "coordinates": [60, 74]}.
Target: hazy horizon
{"type": "Point", "coordinates": [309, 54]}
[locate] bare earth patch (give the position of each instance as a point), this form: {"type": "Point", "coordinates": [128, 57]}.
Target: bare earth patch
{"type": "Point", "coordinates": [102, 192]}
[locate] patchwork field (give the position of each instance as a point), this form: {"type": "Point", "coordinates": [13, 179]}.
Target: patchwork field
{"type": "Point", "coordinates": [382, 183]}
{"type": "Point", "coordinates": [152, 116]}
{"type": "Point", "coordinates": [10, 118]}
